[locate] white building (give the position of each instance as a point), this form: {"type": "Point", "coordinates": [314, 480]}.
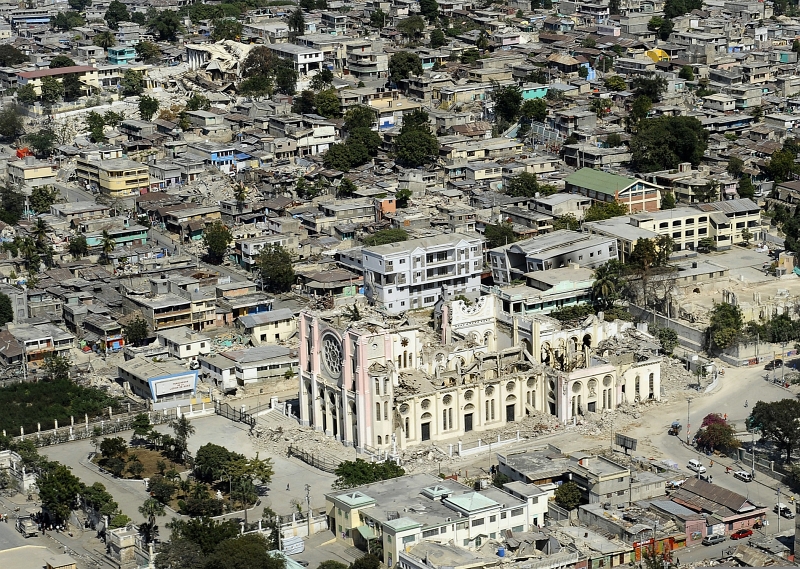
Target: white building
{"type": "Point", "coordinates": [417, 273]}
{"type": "Point", "coordinates": [305, 59]}
{"type": "Point", "coordinates": [402, 512]}
{"type": "Point", "coordinates": [184, 343]}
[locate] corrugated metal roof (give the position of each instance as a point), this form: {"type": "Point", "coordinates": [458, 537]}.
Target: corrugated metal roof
{"type": "Point", "coordinates": [599, 181]}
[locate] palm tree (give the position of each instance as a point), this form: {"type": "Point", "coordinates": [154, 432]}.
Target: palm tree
{"type": "Point", "coordinates": [105, 40]}
{"type": "Point", "coordinates": [607, 284]}
{"type": "Point", "coordinates": [297, 22]}
{"type": "Point", "coordinates": [107, 244]}
{"type": "Point", "coordinates": [185, 485]}
{"type": "Point", "coordinates": [40, 230]}
{"type": "Point", "coordinates": [240, 195]}
{"type": "Point", "coordinates": [150, 509]}
{"type": "Point", "coordinates": [183, 429]}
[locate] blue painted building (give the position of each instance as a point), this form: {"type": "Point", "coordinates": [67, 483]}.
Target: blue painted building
{"type": "Point", "coordinates": [120, 55]}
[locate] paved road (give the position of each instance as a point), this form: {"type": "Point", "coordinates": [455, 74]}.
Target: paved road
{"type": "Point", "coordinates": [161, 238]}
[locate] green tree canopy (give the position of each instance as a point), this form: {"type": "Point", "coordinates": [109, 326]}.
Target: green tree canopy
{"type": "Point", "coordinates": [534, 110]}
{"type": "Point", "coordinates": [568, 495]}
{"type": "Point", "coordinates": [11, 123]}
{"type": "Point", "coordinates": [58, 491]}
{"type": "Point", "coordinates": [137, 331]}
{"type": "Point", "coordinates": [61, 61]}
{"type": "Point", "coordinates": [148, 106]}
{"type": "Point", "coordinates": [132, 82]}
{"type": "Point", "coordinates": [10, 55]}
{"type": "Point", "coordinates": [216, 238]}
{"type": "Point", "coordinates": [499, 235]}
{"type": "Point", "coordinates": [664, 142]}
{"type": "Point", "coordinates": [166, 24]}
{"type": "Point", "coordinates": [148, 52]}
{"type": "Point", "coordinates": [6, 310]}
{"type": "Point", "coordinates": [507, 102]}
{"type": "Point", "coordinates": [725, 326]}
{"type": "Point", "coordinates": [403, 64]}
{"type": "Point", "coordinates": [359, 472]}
{"type": "Point", "coordinates": [777, 422]}
{"type": "Point", "coordinates": [116, 13]}
{"type": "Point", "coordinates": [275, 268]}
{"type": "Point", "coordinates": [385, 236]}
{"type": "Point", "coordinates": [599, 211]}
{"type": "Point", "coordinates": [416, 144]}
{"type": "Point", "coordinates": [227, 29]}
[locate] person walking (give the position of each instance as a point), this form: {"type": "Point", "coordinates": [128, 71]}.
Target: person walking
{"type": "Point", "coordinates": [287, 487]}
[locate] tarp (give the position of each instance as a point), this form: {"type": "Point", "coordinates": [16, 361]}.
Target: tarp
{"type": "Point", "coordinates": [366, 532]}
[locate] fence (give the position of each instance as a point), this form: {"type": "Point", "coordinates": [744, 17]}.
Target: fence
{"type": "Point", "coordinates": [481, 446]}
{"type": "Point", "coordinates": [556, 513]}
{"type": "Point", "coordinates": [324, 463]}
{"type": "Point", "coordinates": [688, 337]}
{"type": "Point", "coordinates": [86, 430]}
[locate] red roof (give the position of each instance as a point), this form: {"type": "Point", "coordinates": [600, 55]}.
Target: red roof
{"type": "Point", "coordinates": [57, 71]}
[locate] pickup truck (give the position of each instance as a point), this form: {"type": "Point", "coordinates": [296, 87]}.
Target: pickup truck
{"type": "Point", "coordinates": [27, 527]}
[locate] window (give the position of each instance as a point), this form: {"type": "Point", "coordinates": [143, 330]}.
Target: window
{"type": "Point", "coordinates": [202, 344]}
{"type": "Point", "coordinates": [492, 519]}
{"type": "Point", "coordinates": [516, 512]}
{"type": "Point", "coordinates": [478, 522]}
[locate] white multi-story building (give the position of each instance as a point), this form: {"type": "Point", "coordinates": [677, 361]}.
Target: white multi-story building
{"type": "Point", "coordinates": [305, 59]}
{"type": "Point", "coordinates": [417, 273]}
{"type": "Point", "coordinates": [402, 512]}
{"type": "Point", "coordinates": [366, 60]}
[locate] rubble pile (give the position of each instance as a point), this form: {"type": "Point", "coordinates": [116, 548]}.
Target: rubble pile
{"type": "Point", "coordinates": [675, 379]}
{"type": "Point", "coordinates": [276, 435]}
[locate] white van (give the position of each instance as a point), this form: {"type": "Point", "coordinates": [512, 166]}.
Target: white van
{"type": "Point", "coordinates": [742, 475]}
{"type": "Point", "coordinates": [783, 510]}
{"type": "Point", "coordinates": [696, 465]}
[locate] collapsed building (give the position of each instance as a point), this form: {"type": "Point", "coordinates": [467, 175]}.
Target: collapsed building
{"type": "Point", "coordinates": [385, 383]}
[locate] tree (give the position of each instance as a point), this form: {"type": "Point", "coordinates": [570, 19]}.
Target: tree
{"type": "Point", "coordinates": [148, 106]}
{"type": "Point", "coordinates": [331, 564]}
{"type": "Point", "coordinates": [369, 561]}
{"type": "Point", "coordinates": [534, 110]}
{"type": "Point", "coordinates": [346, 188]}
{"type": "Point", "coordinates": [322, 80]}
{"type": "Point", "coordinates": [366, 136]}
{"type": "Point", "coordinates": [507, 102]}
{"type": "Point", "coordinates": [180, 554]}
{"type": "Point", "coordinates": [668, 339]}
{"type": "Point", "coordinates": [52, 90]}
{"type": "Point", "coordinates": [615, 83]}
{"type": "Point", "coordinates": [403, 64]}
{"type": "Point", "coordinates": [211, 462]}
{"type": "Point", "coordinates": [26, 94]}
{"type": "Point", "coordinates": [61, 61]}
{"type": "Point", "coordinates": [256, 86]}
{"type": "Point", "coordinates": [411, 27]}
{"type": "Point", "coordinates": [735, 166]}
{"type": "Point", "coordinates": [747, 236]}
{"type": "Point", "coordinates": [56, 367]}
{"type": "Point", "coordinates": [285, 76]}
{"type": "Point", "coordinates": [608, 283]}
{"type": "Point", "coordinates": [259, 62]}
{"type": "Point", "coordinates": [599, 211]}
{"type": "Point", "coordinates": [385, 236]}
{"type": "Point", "coordinates": [716, 433]}
{"type": "Point", "coordinates": [297, 22]}
{"type": "Point", "coordinates": [416, 145]}
{"type": "Point", "coordinates": [725, 326]}
{"type": "Point", "coordinates": [687, 73]}
{"type": "Point", "coordinates": [345, 156]}
{"type": "Point", "coordinates": [137, 331]}
{"type": "Point", "coordinates": [522, 185]}
{"type": "Point", "coordinates": [227, 29]}
{"type": "Point", "coordinates": [73, 88]}
{"type": "Point", "coordinates": [96, 123]}
{"type": "Point", "coordinates": [113, 119]}
{"type": "Point", "coordinates": [359, 117]}
{"type": "Point", "coordinates": [205, 533]}
{"type": "Point", "coordinates": [614, 7]}
{"type": "Point", "coordinates": [58, 491]}
{"type": "Point", "coordinates": [116, 13]}
{"type": "Point", "coordinates": [402, 196]}
{"type": "Point", "coordinates": [429, 9]}
{"type": "Point", "coordinates": [10, 55]}
{"type": "Point", "coordinates": [148, 51]}
{"type": "Point", "coordinates": [245, 552]}
{"type": "Point", "coordinates": [141, 426]}
{"type": "Point", "coordinates": [327, 103]}
{"type": "Point", "coordinates": [641, 108]}
{"type": "Point", "coordinates": [132, 82]}
{"type": "Point", "coordinates": [79, 5]}
{"type": "Point", "coordinates": [359, 472]}
{"type": "Point", "coordinates": [42, 141]}
{"type": "Point", "coordinates": [668, 200]}
{"type": "Point", "coordinates": [161, 489]}
{"type": "Point", "coordinates": [778, 423]}
{"type": "Point", "coordinates": [499, 235]}
{"type": "Point", "coordinates": [107, 244]}
{"type": "Point", "coordinates": [42, 198]}
{"type": "Point", "coordinates": [216, 239]}
{"type": "Point", "coordinates": [166, 24]}
{"type": "Point", "coordinates": [6, 310]}
{"type": "Point", "coordinates": [568, 495]}
{"type": "Point", "coordinates": [566, 221]}
{"type": "Point", "coordinates": [781, 166]}
{"type": "Point", "coordinates": [151, 508]}
{"type": "Point", "coordinates": [746, 188]}
{"type": "Point", "coordinates": [438, 39]}
{"type": "Point", "coordinates": [105, 40]}
{"type": "Point", "coordinates": [470, 56]}
{"type": "Point", "coordinates": [275, 267]}
{"type": "Point", "coordinates": [377, 19]}
{"type": "Point", "coordinates": [650, 87]}
{"type": "Point", "coordinates": [10, 121]}
{"type": "Point", "coordinates": [757, 113]}
{"type": "Point", "coordinates": [664, 142]}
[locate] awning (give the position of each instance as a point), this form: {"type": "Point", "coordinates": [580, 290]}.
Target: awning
{"type": "Point", "coordinates": [366, 532]}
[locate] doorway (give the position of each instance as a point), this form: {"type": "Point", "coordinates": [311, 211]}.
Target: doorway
{"type": "Point", "coordinates": [592, 406]}
{"type": "Point", "coordinates": [426, 431]}
{"type": "Point", "coordinates": [467, 422]}
{"type": "Point", "coordinates": [510, 413]}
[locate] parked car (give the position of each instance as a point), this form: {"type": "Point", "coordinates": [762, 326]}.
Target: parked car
{"type": "Point", "coordinates": [696, 465]}
{"type": "Point", "coordinates": [741, 533]}
{"type": "Point", "coordinates": [713, 539]}
{"type": "Point", "coordinates": [774, 364]}
{"type": "Point", "coordinates": [742, 475]}
{"type": "Point", "coordinates": [784, 510]}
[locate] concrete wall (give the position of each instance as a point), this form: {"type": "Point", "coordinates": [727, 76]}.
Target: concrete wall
{"type": "Point", "coordinates": [688, 337]}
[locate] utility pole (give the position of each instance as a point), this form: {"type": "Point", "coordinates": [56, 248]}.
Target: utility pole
{"type": "Point", "coordinates": [783, 347]}
{"type": "Point", "coordinates": [779, 510]}
{"type": "Point", "coordinates": [688, 425]}
{"type": "Point", "coordinates": [753, 453]}
{"type": "Point", "coordinates": [308, 507]}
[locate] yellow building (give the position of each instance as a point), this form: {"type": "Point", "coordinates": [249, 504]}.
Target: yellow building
{"type": "Point", "coordinates": [87, 75]}
{"type": "Point", "coordinates": [31, 173]}
{"type": "Point", "coordinates": [114, 176]}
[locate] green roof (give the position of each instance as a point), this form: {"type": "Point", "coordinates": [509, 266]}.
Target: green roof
{"type": "Point", "coordinates": [402, 524]}
{"type": "Point", "coordinates": [471, 501]}
{"type": "Point", "coordinates": [599, 181]}
{"type": "Point", "coordinates": [355, 499]}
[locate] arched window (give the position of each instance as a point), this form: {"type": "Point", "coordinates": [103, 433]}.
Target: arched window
{"type": "Point", "coordinates": [408, 430]}
{"type": "Point", "coordinates": [636, 390]}
{"type": "Point", "coordinates": [380, 441]}
{"type": "Point", "coordinates": [377, 411]}
{"type": "Point", "coordinates": [385, 410]}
